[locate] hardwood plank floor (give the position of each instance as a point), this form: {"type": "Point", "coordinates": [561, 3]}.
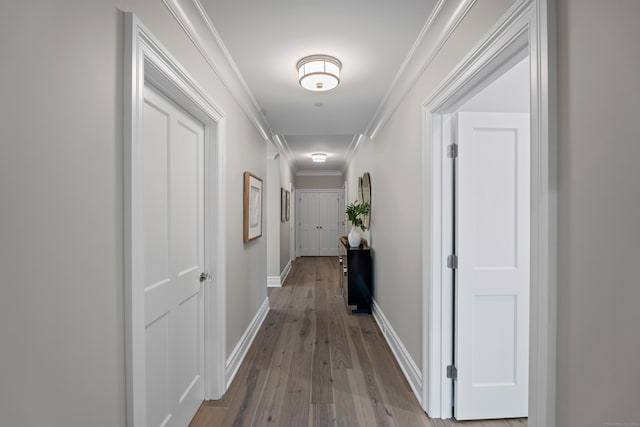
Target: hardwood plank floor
{"type": "Point", "coordinates": [312, 364]}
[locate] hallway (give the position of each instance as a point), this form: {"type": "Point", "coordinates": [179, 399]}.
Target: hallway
{"type": "Point", "coordinates": [312, 364]}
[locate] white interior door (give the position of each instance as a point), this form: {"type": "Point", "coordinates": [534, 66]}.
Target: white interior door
{"type": "Point", "coordinates": [173, 189]}
{"type": "Point", "coordinates": [328, 208]}
{"type": "Point", "coordinates": [319, 222]}
{"type": "Point", "coordinates": [492, 278]}
{"type": "Point", "coordinates": [309, 237]}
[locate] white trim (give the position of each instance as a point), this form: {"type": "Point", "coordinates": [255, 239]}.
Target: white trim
{"type": "Point", "coordinates": [444, 19]}
{"type": "Point", "coordinates": [146, 60]}
{"type": "Point", "coordinates": [192, 18]}
{"type": "Point", "coordinates": [353, 148]}
{"type": "Point", "coordinates": [240, 351]}
{"type": "Point", "coordinates": [273, 282]}
{"type": "Point", "coordinates": [406, 362]}
{"type": "Point", "coordinates": [327, 172]}
{"type": "Point", "coordinates": [283, 147]}
{"type": "Point", "coordinates": [528, 23]}
{"type": "Point", "coordinates": [285, 272]}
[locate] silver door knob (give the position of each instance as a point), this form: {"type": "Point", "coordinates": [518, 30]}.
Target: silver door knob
{"type": "Point", "coordinates": [205, 277]}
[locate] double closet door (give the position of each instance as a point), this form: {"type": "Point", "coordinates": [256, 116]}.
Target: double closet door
{"type": "Point", "coordinates": [319, 222]}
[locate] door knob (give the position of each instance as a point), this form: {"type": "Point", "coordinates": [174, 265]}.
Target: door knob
{"type": "Point", "coordinates": [205, 277]}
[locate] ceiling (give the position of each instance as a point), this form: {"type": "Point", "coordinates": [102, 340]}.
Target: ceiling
{"type": "Point", "coordinates": [265, 40]}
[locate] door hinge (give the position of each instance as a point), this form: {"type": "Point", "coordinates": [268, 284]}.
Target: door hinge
{"type": "Point", "coordinates": [452, 151]}
{"type": "Point", "coordinates": [452, 372]}
{"type": "Point", "coordinates": [452, 261]}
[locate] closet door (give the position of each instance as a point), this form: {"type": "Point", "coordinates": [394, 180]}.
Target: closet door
{"type": "Point", "coordinates": [309, 236]}
{"type": "Point", "coordinates": [328, 209]}
{"type": "Point", "coordinates": [319, 225]}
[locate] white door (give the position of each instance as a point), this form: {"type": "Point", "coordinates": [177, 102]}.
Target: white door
{"type": "Point", "coordinates": [309, 237]}
{"type": "Point", "coordinates": [173, 189]}
{"type": "Point", "coordinates": [492, 279]}
{"type": "Point", "coordinates": [319, 219]}
{"type": "Point", "coordinates": [328, 208]}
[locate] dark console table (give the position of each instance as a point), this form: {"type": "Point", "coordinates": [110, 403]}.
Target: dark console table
{"type": "Point", "coordinates": [356, 276]}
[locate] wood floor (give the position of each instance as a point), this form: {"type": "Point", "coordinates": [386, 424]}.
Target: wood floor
{"type": "Point", "coordinates": [312, 364]}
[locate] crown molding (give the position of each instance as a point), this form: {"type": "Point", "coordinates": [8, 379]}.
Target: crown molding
{"type": "Point", "coordinates": [319, 173]}
{"type": "Point", "coordinates": [444, 19]}
{"type": "Point", "coordinates": [199, 28]}
{"type": "Point", "coordinates": [353, 147]}
{"type": "Point", "coordinates": [280, 143]}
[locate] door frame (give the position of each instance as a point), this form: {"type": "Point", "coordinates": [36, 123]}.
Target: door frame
{"type": "Point", "coordinates": [146, 61]}
{"type": "Point", "coordinates": [292, 227]}
{"type": "Point", "coordinates": [299, 193]}
{"type": "Point", "coordinates": [526, 28]}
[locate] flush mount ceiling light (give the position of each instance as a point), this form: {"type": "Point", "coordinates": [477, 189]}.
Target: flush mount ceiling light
{"type": "Point", "coordinates": [319, 73]}
{"type": "Point", "coordinates": [319, 157]}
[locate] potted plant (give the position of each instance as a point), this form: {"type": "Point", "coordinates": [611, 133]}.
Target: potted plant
{"type": "Point", "coordinates": [355, 213]}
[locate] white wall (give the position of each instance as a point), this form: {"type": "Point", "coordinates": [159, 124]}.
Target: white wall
{"type": "Point", "coordinates": [599, 209]}
{"type": "Point", "coordinates": [61, 207]}
{"type": "Point", "coordinates": [396, 166]}
{"type": "Point", "coordinates": [319, 182]}
{"type": "Point", "coordinates": [273, 214]}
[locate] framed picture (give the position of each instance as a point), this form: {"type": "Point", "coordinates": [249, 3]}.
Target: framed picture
{"type": "Point", "coordinates": [252, 207]}
{"type": "Point", "coordinates": [283, 205]}
{"type": "Point", "coordinates": [288, 204]}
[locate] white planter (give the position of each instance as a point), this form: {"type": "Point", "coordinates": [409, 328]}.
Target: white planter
{"type": "Point", "coordinates": [354, 237]}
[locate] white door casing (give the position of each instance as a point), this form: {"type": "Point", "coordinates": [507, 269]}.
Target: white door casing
{"type": "Point", "coordinates": [527, 27]}
{"type": "Point", "coordinates": [492, 277]}
{"type": "Point", "coordinates": [147, 62]}
{"type": "Point", "coordinates": [173, 189]}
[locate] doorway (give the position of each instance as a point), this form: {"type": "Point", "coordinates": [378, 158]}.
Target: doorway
{"type": "Point", "coordinates": [319, 221]}
{"type": "Point", "coordinates": [486, 159]}
{"type": "Point", "coordinates": [174, 179]}
{"type": "Point", "coordinates": [490, 226]}
{"type": "Point", "coordinates": [521, 32]}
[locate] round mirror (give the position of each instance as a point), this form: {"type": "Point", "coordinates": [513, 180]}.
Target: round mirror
{"type": "Point", "coordinates": [366, 195]}
{"type": "Point", "coordinates": [360, 196]}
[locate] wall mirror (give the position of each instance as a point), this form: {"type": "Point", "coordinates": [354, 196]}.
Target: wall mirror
{"type": "Point", "coordinates": [365, 195]}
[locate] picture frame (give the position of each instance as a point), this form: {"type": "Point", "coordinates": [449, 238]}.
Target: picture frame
{"type": "Point", "coordinates": [252, 215]}
{"type": "Point", "coordinates": [283, 205]}
{"type": "Point", "coordinates": [288, 204]}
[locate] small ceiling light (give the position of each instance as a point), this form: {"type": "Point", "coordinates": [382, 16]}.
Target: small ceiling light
{"type": "Point", "coordinates": [319, 73]}
{"type": "Point", "coordinates": [319, 157]}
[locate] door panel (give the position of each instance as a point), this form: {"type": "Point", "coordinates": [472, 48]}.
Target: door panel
{"type": "Point", "coordinates": [492, 279]}
{"type": "Point", "coordinates": [328, 223]}
{"type": "Point", "coordinates": [173, 152]}
{"type": "Point", "coordinates": [309, 224]}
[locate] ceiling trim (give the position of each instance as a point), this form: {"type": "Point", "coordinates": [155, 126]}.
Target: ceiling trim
{"type": "Point", "coordinates": [195, 22]}
{"type": "Point", "coordinates": [319, 173]}
{"type": "Point", "coordinates": [353, 147]}
{"type": "Point", "coordinates": [281, 144]}
{"type": "Point", "coordinates": [444, 19]}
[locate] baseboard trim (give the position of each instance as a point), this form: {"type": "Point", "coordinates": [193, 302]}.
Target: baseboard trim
{"type": "Point", "coordinates": [240, 351]}
{"type": "Point", "coordinates": [273, 282]}
{"type": "Point", "coordinates": [285, 273]}
{"type": "Point", "coordinates": [406, 362]}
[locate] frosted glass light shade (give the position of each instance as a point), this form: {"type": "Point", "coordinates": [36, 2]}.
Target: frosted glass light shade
{"type": "Point", "coordinates": [319, 157]}
{"type": "Point", "coordinates": [319, 73]}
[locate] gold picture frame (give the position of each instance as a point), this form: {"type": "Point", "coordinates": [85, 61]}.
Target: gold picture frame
{"type": "Point", "coordinates": [283, 205]}
{"type": "Point", "coordinates": [252, 215]}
